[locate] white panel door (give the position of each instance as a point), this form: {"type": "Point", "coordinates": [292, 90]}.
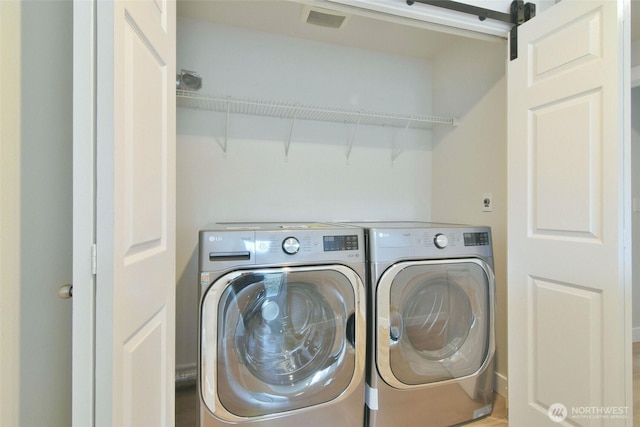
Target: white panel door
{"type": "Point", "coordinates": [132, 331]}
{"type": "Point", "coordinates": [569, 319]}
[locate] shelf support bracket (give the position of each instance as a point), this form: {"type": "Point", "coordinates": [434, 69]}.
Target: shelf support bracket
{"type": "Point", "coordinates": [226, 128]}
{"type": "Point", "coordinates": [399, 142]}
{"type": "Point", "coordinates": [353, 137]}
{"type": "Point", "coordinates": [287, 143]}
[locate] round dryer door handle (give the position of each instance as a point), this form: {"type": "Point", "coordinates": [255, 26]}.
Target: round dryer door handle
{"type": "Point", "coordinates": [65, 291]}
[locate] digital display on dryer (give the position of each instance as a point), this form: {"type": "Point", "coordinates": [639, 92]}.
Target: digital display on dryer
{"type": "Point", "coordinates": [340, 243]}
{"type": "Point", "coordinates": [476, 239]}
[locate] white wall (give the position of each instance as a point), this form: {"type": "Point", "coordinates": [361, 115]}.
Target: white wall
{"type": "Point", "coordinates": [635, 53]}
{"type": "Point", "coordinates": [45, 229]}
{"type": "Point", "coordinates": [36, 212]}
{"type": "Point", "coordinates": [254, 181]}
{"type": "Point", "coordinates": [469, 160]}
{"type": "Point", "coordinates": [9, 212]}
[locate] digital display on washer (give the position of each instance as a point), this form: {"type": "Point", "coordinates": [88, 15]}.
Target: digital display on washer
{"type": "Point", "coordinates": [340, 243]}
{"type": "Point", "coordinates": [476, 239]}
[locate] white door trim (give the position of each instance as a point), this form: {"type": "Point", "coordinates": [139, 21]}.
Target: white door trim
{"type": "Point", "coordinates": [83, 329]}
{"type": "Point", "coordinates": [10, 138]}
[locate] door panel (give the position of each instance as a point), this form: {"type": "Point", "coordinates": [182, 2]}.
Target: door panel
{"type": "Point", "coordinates": [566, 198]}
{"type": "Point", "coordinates": [568, 331]}
{"type": "Point", "coordinates": [144, 364]}
{"type": "Point", "coordinates": [573, 320]}
{"type": "Point", "coordinates": [144, 154]}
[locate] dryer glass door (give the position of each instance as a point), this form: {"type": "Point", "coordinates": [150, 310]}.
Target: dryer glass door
{"type": "Point", "coordinates": [433, 321]}
{"type": "Point", "coordinates": [284, 338]}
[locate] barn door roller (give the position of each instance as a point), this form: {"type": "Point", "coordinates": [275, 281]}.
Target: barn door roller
{"type": "Point", "coordinates": [521, 12]}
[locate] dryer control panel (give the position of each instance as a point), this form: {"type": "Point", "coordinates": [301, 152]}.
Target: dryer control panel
{"type": "Point", "coordinates": [476, 239]}
{"type": "Point", "coordinates": [439, 241]}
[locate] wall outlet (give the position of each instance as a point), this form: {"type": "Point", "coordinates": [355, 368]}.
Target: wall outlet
{"type": "Point", "coordinates": [487, 202]}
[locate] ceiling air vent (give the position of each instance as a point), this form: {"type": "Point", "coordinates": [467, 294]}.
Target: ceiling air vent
{"type": "Point", "coordinates": [324, 18]}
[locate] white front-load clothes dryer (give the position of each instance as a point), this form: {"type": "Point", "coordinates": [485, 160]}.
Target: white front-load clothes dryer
{"type": "Point", "coordinates": [282, 325]}
{"type": "Point", "coordinates": [431, 298]}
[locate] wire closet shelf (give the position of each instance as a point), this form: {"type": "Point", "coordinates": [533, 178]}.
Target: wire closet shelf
{"type": "Point", "coordinates": [293, 112]}
{"type": "Point", "coordinates": [287, 110]}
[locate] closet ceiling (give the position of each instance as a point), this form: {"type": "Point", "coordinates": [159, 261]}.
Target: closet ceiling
{"type": "Point", "coordinates": [285, 18]}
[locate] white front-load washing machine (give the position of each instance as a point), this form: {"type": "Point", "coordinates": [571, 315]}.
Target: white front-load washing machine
{"type": "Point", "coordinates": [432, 299]}
{"type": "Point", "coordinates": [282, 325]}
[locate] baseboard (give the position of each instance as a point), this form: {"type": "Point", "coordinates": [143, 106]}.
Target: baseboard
{"type": "Point", "coordinates": [635, 334]}
{"type": "Point", "coordinates": [501, 386]}
{"type": "Point", "coordinates": [186, 374]}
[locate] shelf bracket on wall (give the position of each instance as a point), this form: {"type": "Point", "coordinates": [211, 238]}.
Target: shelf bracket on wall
{"type": "Point", "coordinates": [521, 12]}
{"type": "Point", "coordinates": [399, 142]}
{"type": "Point", "coordinates": [287, 143]}
{"type": "Point", "coordinates": [352, 137]}
{"type": "Point", "coordinates": [226, 128]}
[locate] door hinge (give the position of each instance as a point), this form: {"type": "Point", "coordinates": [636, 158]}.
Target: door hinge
{"type": "Point", "coordinates": [94, 259]}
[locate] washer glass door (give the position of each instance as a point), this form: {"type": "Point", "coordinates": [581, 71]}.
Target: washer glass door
{"type": "Point", "coordinates": [285, 339]}
{"type": "Point", "coordinates": [433, 321]}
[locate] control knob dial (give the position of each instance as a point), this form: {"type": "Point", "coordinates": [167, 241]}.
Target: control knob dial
{"type": "Point", "coordinates": [441, 241]}
{"type": "Point", "coordinates": [291, 245]}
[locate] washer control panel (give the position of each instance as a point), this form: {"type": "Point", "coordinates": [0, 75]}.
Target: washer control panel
{"type": "Point", "coordinates": [234, 244]}
{"type": "Point", "coordinates": [308, 244]}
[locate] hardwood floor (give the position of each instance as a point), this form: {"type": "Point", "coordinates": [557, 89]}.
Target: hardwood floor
{"type": "Point", "coordinates": [186, 402]}
{"type": "Point", "coordinates": [498, 417]}
{"type": "Point", "coordinates": [186, 405]}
